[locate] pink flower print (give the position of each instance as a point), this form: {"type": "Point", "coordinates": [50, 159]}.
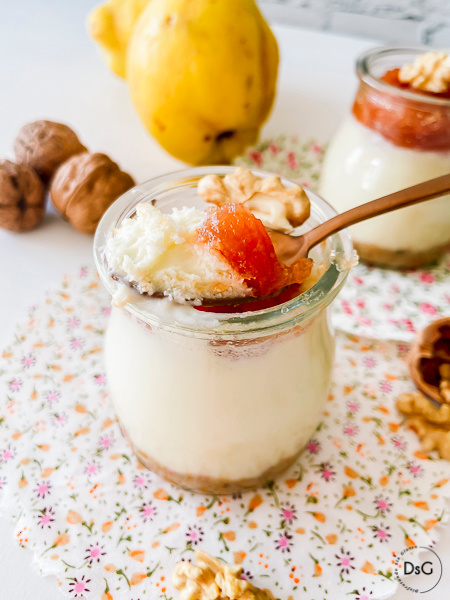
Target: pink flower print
{"type": "Point", "coordinates": [415, 469]}
{"type": "Point", "coordinates": [385, 386]}
{"type": "Point", "coordinates": [350, 429]}
{"type": "Point", "coordinates": [358, 280]}
{"type": "Point", "coordinates": [316, 148]}
{"type": "Point", "coordinates": [43, 489]}
{"type": "Point", "coordinates": [15, 385]}
{"type": "Point", "coordinates": [408, 325]}
{"type": "Point", "coordinates": [313, 446]}
{"type": "Point", "coordinates": [106, 311]}
{"type": "Point", "coordinates": [326, 471]}
{"type": "Point", "coordinates": [353, 406]}
{"type": "Point", "coordinates": [194, 535]}
{"type": "Point", "coordinates": [83, 272]}
{"type": "Point", "coordinates": [382, 504]}
{"type": "Point", "coordinates": [427, 278]}
{"type": "Point", "coordinates": [402, 348]}
{"type": "Point", "coordinates": [2, 482]}
{"type": "Point", "coordinates": [274, 149]}
{"type": "Point", "coordinates": [106, 442]}
{"type": "Point", "coordinates": [288, 513]}
{"type": "Point", "coordinates": [427, 308]}
{"type": "Point", "coordinates": [304, 184]}
{"type": "Point", "coordinates": [140, 482]}
{"type": "Point", "coordinates": [256, 157]}
{"type": "Point", "coordinates": [395, 288]}
{"type": "Point", "coordinates": [363, 320]}
{"type": "Point", "coordinates": [148, 512]}
{"type": "Point", "coordinates": [53, 396]}
{"type": "Point", "coordinates": [363, 595]}
{"type": "Point", "coordinates": [398, 442]}
{"type": "Point", "coordinates": [45, 518]}
{"type": "Point", "coordinates": [246, 575]}
{"type": "Point", "coordinates": [346, 307]}
{"type": "Point", "coordinates": [381, 533]}
{"type": "Point", "coordinates": [76, 343]}
{"type": "Point", "coordinates": [59, 419]}
{"type": "Point", "coordinates": [92, 468]}
{"type": "Point", "coordinates": [77, 587]}
{"type": "Point", "coordinates": [73, 322]}
{"type": "Point", "coordinates": [387, 307]}
{"type": "Point", "coordinates": [28, 361]}
{"type": "Point", "coordinates": [283, 543]}
{"type": "Point", "coordinates": [100, 379]}
{"type": "Point", "coordinates": [360, 303]}
{"type": "Point", "coordinates": [344, 561]}
{"type": "Point", "coordinates": [291, 161]}
{"type": "Point", "coordinates": [94, 553]}
{"type": "Point", "coordinates": [7, 454]}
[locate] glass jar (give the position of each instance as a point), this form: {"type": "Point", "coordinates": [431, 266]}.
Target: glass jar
{"type": "Point", "coordinates": [218, 402]}
{"type": "Point", "coordinates": [393, 139]}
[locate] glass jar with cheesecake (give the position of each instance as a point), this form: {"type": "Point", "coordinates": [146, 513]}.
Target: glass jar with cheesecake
{"type": "Point", "coordinates": [397, 135]}
{"type": "Point", "coordinates": [215, 396]}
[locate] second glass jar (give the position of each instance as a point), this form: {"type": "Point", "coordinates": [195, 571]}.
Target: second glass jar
{"type": "Point", "coordinates": [393, 139]}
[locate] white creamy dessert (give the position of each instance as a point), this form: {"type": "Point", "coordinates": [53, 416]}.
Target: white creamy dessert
{"type": "Point", "coordinates": [397, 136]}
{"type": "Point", "coordinates": [367, 166]}
{"type": "Point", "coordinates": [227, 413]}
{"type": "Point", "coordinates": [213, 401]}
{"type": "Point", "coordinates": [157, 252]}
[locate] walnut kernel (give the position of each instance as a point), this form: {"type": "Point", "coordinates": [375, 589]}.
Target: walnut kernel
{"type": "Point", "coordinates": [22, 197]}
{"type": "Point", "coordinates": [278, 207]}
{"type": "Point", "coordinates": [430, 72]}
{"type": "Point", "coordinates": [85, 186]}
{"type": "Point", "coordinates": [45, 145]}
{"type": "Point", "coordinates": [212, 579]}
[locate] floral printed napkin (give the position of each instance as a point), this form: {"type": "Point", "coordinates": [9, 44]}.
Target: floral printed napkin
{"type": "Point", "coordinates": [377, 303]}
{"type": "Point", "coordinates": [109, 529]}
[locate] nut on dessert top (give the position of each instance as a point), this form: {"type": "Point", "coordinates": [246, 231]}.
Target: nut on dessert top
{"type": "Point", "coordinates": [430, 72]}
{"type": "Point", "coordinates": [278, 207]}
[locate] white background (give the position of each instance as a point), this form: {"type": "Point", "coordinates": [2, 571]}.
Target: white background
{"type": "Point", "coordinates": [49, 68]}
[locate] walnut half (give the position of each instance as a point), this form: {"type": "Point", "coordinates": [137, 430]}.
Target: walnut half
{"type": "Point", "coordinates": [278, 207]}
{"type": "Point", "coordinates": [212, 579]}
{"type": "Point", "coordinates": [430, 72]}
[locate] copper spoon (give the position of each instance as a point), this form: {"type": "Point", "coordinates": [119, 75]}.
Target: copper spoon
{"type": "Point", "coordinates": [289, 247]}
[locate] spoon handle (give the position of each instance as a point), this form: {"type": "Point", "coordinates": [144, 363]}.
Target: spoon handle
{"type": "Point", "coordinates": [407, 197]}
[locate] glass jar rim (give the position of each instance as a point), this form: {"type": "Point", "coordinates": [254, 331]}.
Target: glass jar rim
{"type": "Point", "coordinates": [364, 66]}
{"type": "Point", "coordinates": [278, 317]}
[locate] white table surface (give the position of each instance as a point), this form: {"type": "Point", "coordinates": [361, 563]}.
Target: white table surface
{"type": "Point", "coordinates": [49, 68]}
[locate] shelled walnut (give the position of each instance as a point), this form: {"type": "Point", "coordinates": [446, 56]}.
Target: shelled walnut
{"type": "Point", "coordinates": [22, 197]}
{"type": "Point", "coordinates": [85, 186]}
{"type": "Point", "coordinates": [430, 72]}
{"type": "Point", "coordinates": [45, 145]}
{"type": "Point", "coordinates": [280, 208]}
{"type": "Point", "coordinates": [212, 579]}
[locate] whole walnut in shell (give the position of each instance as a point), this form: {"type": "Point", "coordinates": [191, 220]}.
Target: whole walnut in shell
{"type": "Point", "coordinates": [45, 145]}
{"type": "Point", "coordinates": [84, 187]}
{"type": "Point", "coordinates": [22, 197]}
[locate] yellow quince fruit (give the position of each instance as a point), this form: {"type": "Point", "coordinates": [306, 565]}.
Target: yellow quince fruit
{"type": "Point", "coordinates": [111, 25]}
{"type": "Point", "coordinates": [202, 74]}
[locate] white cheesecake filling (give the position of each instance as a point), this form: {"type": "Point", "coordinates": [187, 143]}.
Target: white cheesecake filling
{"type": "Point", "coordinates": [218, 410]}
{"type": "Point", "coordinates": [361, 165]}
{"type": "Point", "coordinates": [157, 253]}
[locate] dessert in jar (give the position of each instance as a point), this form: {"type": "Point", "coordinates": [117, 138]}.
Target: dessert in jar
{"type": "Point", "coordinates": [217, 378]}
{"type": "Point", "coordinates": [397, 135]}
